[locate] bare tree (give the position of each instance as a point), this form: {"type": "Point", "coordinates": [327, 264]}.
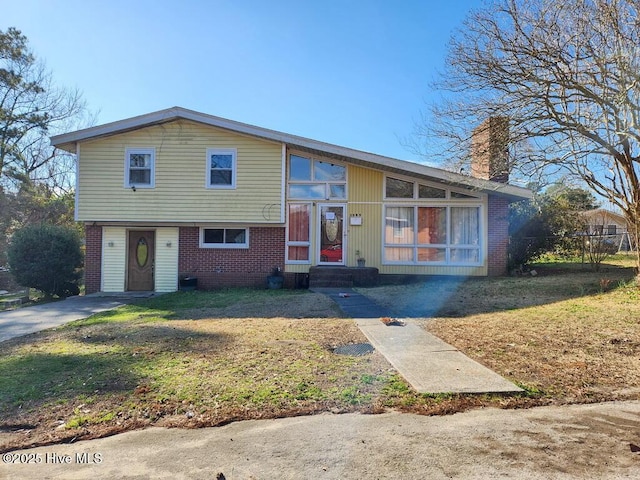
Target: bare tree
{"type": "Point", "coordinates": [32, 108]}
{"type": "Point", "coordinates": [566, 74]}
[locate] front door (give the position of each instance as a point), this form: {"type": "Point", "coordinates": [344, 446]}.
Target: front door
{"type": "Point", "coordinates": [331, 232]}
{"type": "Point", "coordinates": [141, 260]}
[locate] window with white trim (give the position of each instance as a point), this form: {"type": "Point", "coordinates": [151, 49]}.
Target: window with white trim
{"type": "Point", "coordinates": [299, 233]}
{"type": "Point", "coordinates": [224, 237]}
{"type": "Point", "coordinates": [432, 235]}
{"type": "Point", "coordinates": [221, 167]}
{"type": "Point", "coordinates": [396, 188]}
{"type": "Point", "coordinates": [316, 179]}
{"type": "Point", "coordinates": [139, 167]}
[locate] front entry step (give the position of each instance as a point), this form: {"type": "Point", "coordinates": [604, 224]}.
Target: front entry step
{"type": "Point", "coordinates": [342, 277]}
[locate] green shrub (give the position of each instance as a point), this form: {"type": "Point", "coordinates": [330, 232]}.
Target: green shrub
{"type": "Point", "coordinates": [47, 258]}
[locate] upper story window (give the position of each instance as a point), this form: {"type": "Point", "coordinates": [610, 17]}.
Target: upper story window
{"type": "Point", "coordinates": [395, 188]}
{"type": "Point", "coordinates": [140, 167]}
{"type": "Point", "coordinates": [221, 168]}
{"type": "Point", "coordinates": [316, 179]}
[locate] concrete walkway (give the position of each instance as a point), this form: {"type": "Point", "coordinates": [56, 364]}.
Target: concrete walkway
{"type": "Point", "coordinates": [25, 320]}
{"type": "Point", "coordinates": [426, 362]}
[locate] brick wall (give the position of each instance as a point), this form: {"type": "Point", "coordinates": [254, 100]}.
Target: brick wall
{"type": "Point", "coordinates": [92, 258]}
{"type": "Point", "coordinates": [498, 231]}
{"type": "Point", "coordinates": [232, 267]}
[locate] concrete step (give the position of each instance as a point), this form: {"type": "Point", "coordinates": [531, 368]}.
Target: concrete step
{"type": "Point", "coordinates": [341, 277]}
{"type": "Point", "coordinates": [330, 283]}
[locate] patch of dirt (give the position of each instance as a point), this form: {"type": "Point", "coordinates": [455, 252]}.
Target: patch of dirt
{"type": "Point", "coordinates": [309, 305]}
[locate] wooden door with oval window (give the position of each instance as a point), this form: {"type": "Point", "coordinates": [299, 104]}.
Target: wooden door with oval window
{"type": "Point", "coordinates": [141, 260]}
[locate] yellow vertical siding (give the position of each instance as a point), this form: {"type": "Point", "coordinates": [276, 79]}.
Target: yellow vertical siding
{"type": "Point", "coordinates": [364, 185]}
{"type": "Point", "coordinates": [365, 200]}
{"type": "Point", "coordinates": [180, 194]}
{"type": "Point", "coordinates": [114, 259]}
{"type": "Point", "coordinates": [366, 237]}
{"type": "Point", "coordinates": [166, 266]}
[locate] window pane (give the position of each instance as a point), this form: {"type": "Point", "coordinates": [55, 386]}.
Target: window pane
{"type": "Point", "coordinates": [399, 225]}
{"type": "Point", "coordinates": [323, 171]}
{"type": "Point", "coordinates": [140, 177]}
{"type": "Point", "coordinates": [219, 160]}
{"type": "Point", "coordinates": [233, 235]}
{"type": "Point", "coordinates": [142, 160]}
{"type": "Point", "coordinates": [465, 255]}
{"type": "Point", "coordinates": [337, 191]}
{"type": "Point", "coordinates": [307, 191]}
{"type": "Point", "coordinates": [221, 177]}
{"type": "Point", "coordinates": [432, 225]}
{"type": "Point", "coordinates": [299, 223]}
{"type": "Point", "coordinates": [213, 235]}
{"type": "Point", "coordinates": [299, 168]}
{"type": "Point", "coordinates": [431, 255]}
{"type": "Point", "coordinates": [398, 188]}
{"type": "Point", "coordinates": [298, 253]}
{"type": "Point", "coordinates": [393, 254]}
{"type": "Point", "coordinates": [465, 226]}
{"type": "Point", "coordinates": [430, 192]}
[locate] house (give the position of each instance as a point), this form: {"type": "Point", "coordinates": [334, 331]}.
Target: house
{"type": "Point", "coordinates": [613, 226]}
{"type": "Point", "coordinates": [177, 193]}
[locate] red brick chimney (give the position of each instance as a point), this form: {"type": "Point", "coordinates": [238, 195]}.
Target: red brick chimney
{"type": "Point", "coordinates": [490, 150]}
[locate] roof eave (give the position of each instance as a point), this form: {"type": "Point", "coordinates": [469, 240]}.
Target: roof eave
{"type": "Point", "coordinates": [68, 142]}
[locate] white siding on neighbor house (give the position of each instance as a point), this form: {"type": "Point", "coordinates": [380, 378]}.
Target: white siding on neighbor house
{"type": "Point", "coordinates": [166, 270]}
{"type": "Point", "coordinates": [114, 259]}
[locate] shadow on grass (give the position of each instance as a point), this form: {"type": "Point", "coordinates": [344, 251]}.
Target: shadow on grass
{"type": "Point", "coordinates": [224, 303]}
{"type": "Point", "coordinates": [151, 337]}
{"type": "Point", "coordinates": [39, 378]}
{"type": "Point", "coordinates": [92, 361]}
{"type": "Point", "coordinates": [454, 297]}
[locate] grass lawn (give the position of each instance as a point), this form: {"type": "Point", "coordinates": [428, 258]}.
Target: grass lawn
{"type": "Point", "coordinates": [568, 334]}
{"type": "Point", "coordinates": [209, 358]}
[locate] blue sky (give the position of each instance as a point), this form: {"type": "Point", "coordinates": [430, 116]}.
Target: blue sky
{"type": "Point", "coordinates": [354, 73]}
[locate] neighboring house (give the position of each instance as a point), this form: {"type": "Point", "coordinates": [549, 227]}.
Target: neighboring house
{"type": "Point", "coordinates": [179, 193]}
{"type": "Point", "coordinates": [612, 225]}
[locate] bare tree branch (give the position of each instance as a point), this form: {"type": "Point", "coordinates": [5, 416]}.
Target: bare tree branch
{"type": "Point", "coordinates": [567, 75]}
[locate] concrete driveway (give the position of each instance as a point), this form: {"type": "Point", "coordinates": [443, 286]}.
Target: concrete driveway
{"type": "Point", "coordinates": [22, 321]}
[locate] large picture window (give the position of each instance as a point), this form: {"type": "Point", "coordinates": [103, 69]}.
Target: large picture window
{"type": "Point", "coordinates": [432, 234]}
{"type": "Point", "coordinates": [221, 168]}
{"type": "Point", "coordinates": [311, 179]}
{"type": "Point", "coordinates": [140, 167]}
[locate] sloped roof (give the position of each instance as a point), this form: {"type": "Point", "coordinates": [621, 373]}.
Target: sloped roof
{"type": "Point", "coordinates": [68, 141]}
{"type": "Point", "coordinates": [603, 213]}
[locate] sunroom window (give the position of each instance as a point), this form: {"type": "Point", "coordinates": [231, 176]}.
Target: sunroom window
{"type": "Point", "coordinates": [396, 188]}
{"type": "Point", "coordinates": [316, 179]}
{"type": "Point", "coordinates": [432, 234]}
{"type": "Point", "coordinates": [299, 233]}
